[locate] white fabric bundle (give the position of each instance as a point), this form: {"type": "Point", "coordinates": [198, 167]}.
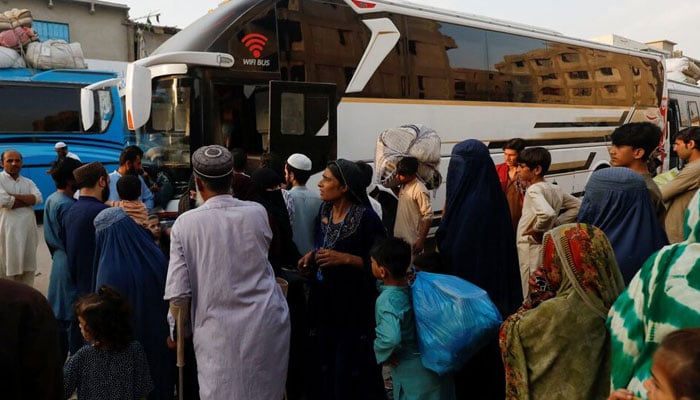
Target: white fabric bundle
{"type": "Point", "coordinates": [678, 76]}
{"type": "Point", "coordinates": [10, 58]}
{"type": "Point", "coordinates": [417, 141]}
{"type": "Point", "coordinates": [55, 54]}
{"type": "Point", "coordinates": [14, 18]}
{"type": "Point", "coordinates": [683, 65]}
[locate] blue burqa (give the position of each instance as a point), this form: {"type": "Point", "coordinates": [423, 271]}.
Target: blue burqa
{"type": "Point", "coordinates": [477, 243]}
{"type": "Point", "coordinates": [128, 260]}
{"type": "Point", "coordinates": [617, 202]}
{"type": "Point", "coordinates": [476, 238]}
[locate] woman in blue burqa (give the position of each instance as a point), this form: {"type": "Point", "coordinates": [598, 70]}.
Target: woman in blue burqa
{"type": "Point", "coordinates": [343, 290]}
{"type": "Point", "coordinates": [129, 261]}
{"type": "Point", "coordinates": [477, 243]}
{"type": "Point", "coordinates": [617, 202]}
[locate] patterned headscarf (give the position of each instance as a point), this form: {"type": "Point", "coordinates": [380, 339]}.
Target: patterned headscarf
{"type": "Point", "coordinates": [556, 345]}
{"type": "Point", "coordinates": [662, 297]}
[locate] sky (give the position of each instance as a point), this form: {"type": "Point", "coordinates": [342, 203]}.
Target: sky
{"type": "Point", "coordinates": [639, 20]}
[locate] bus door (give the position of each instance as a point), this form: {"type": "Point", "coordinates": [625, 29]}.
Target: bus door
{"type": "Point", "coordinates": [303, 119]}
{"type": "Point", "coordinates": [674, 126]}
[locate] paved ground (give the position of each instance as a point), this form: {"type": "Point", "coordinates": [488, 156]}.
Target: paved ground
{"type": "Point", "coordinates": [43, 264]}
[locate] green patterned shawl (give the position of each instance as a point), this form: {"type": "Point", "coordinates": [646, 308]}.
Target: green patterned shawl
{"type": "Point", "coordinates": [662, 297]}
{"type": "Point", "coordinates": [556, 346]}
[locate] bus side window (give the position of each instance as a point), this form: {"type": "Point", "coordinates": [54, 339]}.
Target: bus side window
{"type": "Point", "coordinates": [292, 119]}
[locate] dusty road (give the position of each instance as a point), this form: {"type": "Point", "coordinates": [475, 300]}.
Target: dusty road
{"type": "Point", "coordinates": [43, 264]}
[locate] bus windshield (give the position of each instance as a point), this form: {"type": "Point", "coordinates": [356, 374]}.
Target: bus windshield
{"type": "Point", "coordinates": [165, 139]}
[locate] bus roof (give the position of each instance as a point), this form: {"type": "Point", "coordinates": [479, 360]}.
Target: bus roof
{"type": "Point", "coordinates": [77, 76]}
{"type": "Point", "coordinates": [465, 16]}
{"type": "Point", "coordinates": [677, 86]}
{"type": "Point", "coordinates": [204, 32]}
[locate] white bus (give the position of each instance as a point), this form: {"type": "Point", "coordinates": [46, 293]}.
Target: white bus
{"type": "Point", "coordinates": [325, 77]}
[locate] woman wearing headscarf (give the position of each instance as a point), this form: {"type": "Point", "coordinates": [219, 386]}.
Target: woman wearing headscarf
{"type": "Point", "coordinates": [662, 297]}
{"type": "Point", "coordinates": [128, 260]}
{"type": "Point", "coordinates": [343, 289]}
{"type": "Point", "coordinates": [617, 201]}
{"type": "Point", "coordinates": [477, 243]}
{"type": "Point", "coordinates": [557, 346]}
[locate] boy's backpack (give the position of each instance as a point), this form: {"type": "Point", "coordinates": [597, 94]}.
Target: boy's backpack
{"type": "Point", "coordinates": [454, 320]}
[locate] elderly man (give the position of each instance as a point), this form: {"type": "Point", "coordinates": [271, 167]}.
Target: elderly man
{"type": "Point", "coordinates": [62, 152]}
{"type": "Point", "coordinates": [18, 235]}
{"type": "Point", "coordinates": [218, 261]}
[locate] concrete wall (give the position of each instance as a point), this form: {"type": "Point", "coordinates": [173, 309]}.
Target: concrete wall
{"type": "Point", "coordinates": [102, 34]}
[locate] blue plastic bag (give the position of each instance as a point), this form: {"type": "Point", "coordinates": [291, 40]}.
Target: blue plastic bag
{"type": "Point", "coordinates": [454, 319]}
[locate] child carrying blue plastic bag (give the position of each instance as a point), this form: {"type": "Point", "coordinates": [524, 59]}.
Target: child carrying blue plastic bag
{"type": "Point", "coordinates": [454, 319]}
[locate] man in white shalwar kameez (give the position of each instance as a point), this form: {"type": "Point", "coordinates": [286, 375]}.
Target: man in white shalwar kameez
{"type": "Point", "coordinates": [18, 232]}
{"type": "Point", "coordinates": [218, 259]}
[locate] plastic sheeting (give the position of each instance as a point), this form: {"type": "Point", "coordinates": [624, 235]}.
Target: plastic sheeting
{"type": "Point", "coordinates": [454, 319]}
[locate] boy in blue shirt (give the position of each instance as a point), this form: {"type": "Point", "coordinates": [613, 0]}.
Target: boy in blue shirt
{"type": "Point", "coordinates": [396, 341]}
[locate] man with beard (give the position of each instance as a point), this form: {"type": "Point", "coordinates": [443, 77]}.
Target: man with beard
{"type": "Point", "coordinates": [93, 181]}
{"type": "Point", "coordinates": [218, 261]}
{"type": "Point", "coordinates": [130, 164]}
{"type": "Point", "coordinates": [297, 171]}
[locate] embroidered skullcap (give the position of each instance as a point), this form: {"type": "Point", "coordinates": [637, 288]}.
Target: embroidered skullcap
{"type": "Point", "coordinates": [88, 172]}
{"type": "Point", "coordinates": [299, 161]}
{"type": "Point", "coordinates": [59, 145]}
{"type": "Point", "coordinates": [212, 162]}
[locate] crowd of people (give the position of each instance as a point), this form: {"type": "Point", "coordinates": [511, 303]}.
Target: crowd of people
{"type": "Point", "coordinates": [302, 295]}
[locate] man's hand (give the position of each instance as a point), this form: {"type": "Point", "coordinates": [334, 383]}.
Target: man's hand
{"type": "Point", "coordinates": [537, 236]}
{"type": "Point", "coordinates": [23, 200]}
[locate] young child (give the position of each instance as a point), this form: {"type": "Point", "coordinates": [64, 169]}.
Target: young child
{"type": "Point", "coordinates": [545, 206]}
{"type": "Point", "coordinates": [129, 189]}
{"type": "Point", "coordinates": [160, 236]}
{"type": "Point", "coordinates": [396, 342]}
{"type": "Point", "coordinates": [675, 371]}
{"type": "Point", "coordinates": [414, 212]}
{"type": "Point", "coordinates": [114, 366]}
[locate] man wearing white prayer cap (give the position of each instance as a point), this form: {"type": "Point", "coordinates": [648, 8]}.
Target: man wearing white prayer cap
{"type": "Point", "coordinates": [218, 263]}
{"type": "Point", "coordinates": [62, 152]}
{"type": "Point", "coordinates": [306, 203]}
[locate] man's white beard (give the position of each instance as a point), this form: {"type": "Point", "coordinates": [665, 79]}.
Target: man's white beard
{"type": "Point", "coordinates": [199, 200]}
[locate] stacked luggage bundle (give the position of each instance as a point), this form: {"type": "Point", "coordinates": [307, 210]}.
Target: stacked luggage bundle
{"type": "Point", "coordinates": [417, 141]}
{"type": "Point", "coordinates": [682, 70]}
{"type": "Point", "coordinates": [20, 46]}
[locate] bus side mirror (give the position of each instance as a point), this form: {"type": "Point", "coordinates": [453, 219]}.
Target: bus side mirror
{"type": "Point", "coordinates": [87, 100]}
{"type": "Point", "coordinates": [138, 95]}
{"type": "Point", "coordinates": [87, 108]}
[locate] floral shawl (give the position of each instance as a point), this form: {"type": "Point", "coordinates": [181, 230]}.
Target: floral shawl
{"type": "Point", "coordinates": [662, 297]}
{"type": "Point", "coordinates": [556, 345]}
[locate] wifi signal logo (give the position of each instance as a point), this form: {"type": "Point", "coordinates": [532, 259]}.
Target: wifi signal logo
{"type": "Point", "coordinates": [255, 42]}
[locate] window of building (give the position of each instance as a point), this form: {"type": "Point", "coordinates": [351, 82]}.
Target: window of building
{"type": "Point", "coordinates": [51, 30]}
